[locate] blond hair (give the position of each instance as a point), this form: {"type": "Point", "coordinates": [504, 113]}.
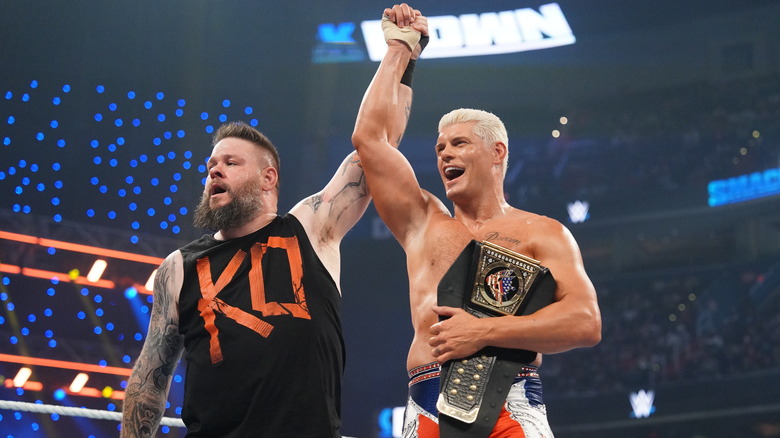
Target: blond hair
{"type": "Point", "coordinates": [487, 126]}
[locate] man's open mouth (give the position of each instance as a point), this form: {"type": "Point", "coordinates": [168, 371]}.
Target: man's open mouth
{"type": "Point", "coordinates": [452, 172]}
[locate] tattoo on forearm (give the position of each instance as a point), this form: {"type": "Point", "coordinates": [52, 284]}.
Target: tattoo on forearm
{"type": "Point", "coordinates": [147, 388]}
{"type": "Point", "coordinates": [494, 236]}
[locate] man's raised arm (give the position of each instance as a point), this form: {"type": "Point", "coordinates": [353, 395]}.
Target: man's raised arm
{"type": "Point", "coordinates": [149, 383]}
{"type": "Point", "coordinates": [382, 119]}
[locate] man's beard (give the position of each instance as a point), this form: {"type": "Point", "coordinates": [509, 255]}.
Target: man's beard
{"type": "Point", "coordinates": [245, 204]}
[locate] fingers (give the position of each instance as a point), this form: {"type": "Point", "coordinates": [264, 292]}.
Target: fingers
{"type": "Point", "coordinates": [402, 15]}
{"type": "Point", "coordinates": [445, 311]}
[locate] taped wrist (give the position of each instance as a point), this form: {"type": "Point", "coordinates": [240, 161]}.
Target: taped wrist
{"type": "Point", "coordinates": [409, 36]}
{"type": "Point", "coordinates": [408, 76]}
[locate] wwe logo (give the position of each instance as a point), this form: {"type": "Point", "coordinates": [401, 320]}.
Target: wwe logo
{"type": "Point", "coordinates": [578, 211]}
{"type": "Point", "coordinates": [642, 403]}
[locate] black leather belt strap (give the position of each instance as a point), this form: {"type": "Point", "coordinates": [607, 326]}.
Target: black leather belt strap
{"type": "Point", "coordinates": [473, 389]}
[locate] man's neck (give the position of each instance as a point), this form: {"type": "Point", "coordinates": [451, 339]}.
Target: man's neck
{"type": "Point", "coordinates": [250, 227]}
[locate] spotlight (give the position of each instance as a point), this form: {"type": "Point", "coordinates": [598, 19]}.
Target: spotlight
{"type": "Point", "coordinates": [97, 270]}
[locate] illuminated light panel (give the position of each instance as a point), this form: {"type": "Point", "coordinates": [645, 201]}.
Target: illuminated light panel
{"type": "Point", "coordinates": [49, 275]}
{"type": "Point", "coordinates": [28, 386]}
{"type": "Point", "coordinates": [86, 249]}
{"type": "Point", "coordinates": [22, 376]}
{"type": "Point", "coordinates": [52, 363]}
{"type": "Point", "coordinates": [78, 383]}
{"type": "Point", "coordinates": [97, 270]}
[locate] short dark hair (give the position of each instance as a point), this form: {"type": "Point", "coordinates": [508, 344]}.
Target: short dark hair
{"type": "Point", "coordinates": [243, 131]}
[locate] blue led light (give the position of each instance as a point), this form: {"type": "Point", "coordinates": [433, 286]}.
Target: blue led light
{"type": "Point", "coordinates": [90, 213]}
{"type": "Point", "coordinates": [94, 144]}
{"type": "Point", "coordinates": [142, 158]}
{"type": "Point", "coordinates": [103, 189]}
{"type": "Point", "coordinates": [25, 97]}
{"type": "Point", "coordinates": [112, 214]}
{"type": "Point", "coordinates": [133, 163]}
{"type": "Point", "coordinates": [9, 95]}
{"type": "Point", "coordinates": [19, 190]}
{"type": "Point", "coordinates": [248, 110]}
{"type": "Point", "coordinates": [186, 165]}
{"type": "Point", "coordinates": [6, 141]}
{"type": "Point", "coordinates": [171, 217]}
{"type": "Point", "coordinates": [48, 312]}
{"type": "Point", "coordinates": [118, 122]}
{"type": "Point", "coordinates": [110, 326]}
{"type": "Point", "coordinates": [113, 162]}
{"type": "Point", "coordinates": [209, 129]}
{"type": "Point", "coordinates": [226, 103]}
{"type": "Point", "coordinates": [2, 176]}
{"type": "Point", "coordinates": [181, 103]}
{"type": "Point", "coordinates": [41, 187]}
{"type": "Point", "coordinates": [66, 88]}
{"type": "Point", "coordinates": [120, 141]}
{"type": "Point", "coordinates": [150, 212]}
{"type": "Point", "coordinates": [204, 115]}
{"type": "Point", "coordinates": [171, 155]}
{"type": "Point", "coordinates": [12, 170]}
{"type": "Point", "coordinates": [164, 225]}
{"type": "Point", "coordinates": [98, 331]}
{"type": "Point", "coordinates": [100, 89]}
{"type": "Point", "coordinates": [50, 292]}
{"type": "Point", "coordinates": [56, 167]}
{"type": "Point", "coordinates": [81, 315]}
{"type": "Point", "coordinates": [58, 184]}
{"type": "Point", "coordinates": [156, 141]}
{"type": "Point", "coordinates": [122, 193]}
{"type": "Point", "coordinates": [26, 209]}
{"type": "Point", "coordinates": [126, 359]}
{"type": "Point", "coordinates": [40, 136]}
{"type": "Point", "coordinates": [11, 120]}
{"type": "Point", "coordinates": [55, 201]}
{"type": "Point", "coordinates": [56, 100]}
{"type": "Point", "coordinates": [135, 225]}
{"type": "Point", "coordinates": [136, 122]}
{"type": "Point", "coordinates": [174, 188]}
{"type": "Point", "coordinates": [16, 208]}
{"type": "Point", "coordinates": [223, 118]}
{"type": "Point", "coordinates": [167, 135]}
{"type": "Point", "coordinates": [112, 147]}
{"type": "Point", "coordinates": [49, 334]}
{"type": "Point", "coordinates": [161, 117]}
{"type": "Point", "coordinates": [31, 317]}
{"type": "Point", "coordinates": [59, 394]}
{"type": "Point", "coordinates": [253, 122]}
{"type": "Point", "coordinates": [167, 200]}
{"type": "Point", "coordinates": [161, 159]}
{"type": "Point", "coordinates": [148, 104]}
{"type": "Point", "coordinates": [179, 112]}
{"type": "Point", "coordinates": [54, 124]}
{"type": "Point", "coordinates": [25, 331]}
{"type": "Point", "coordinates": [14, 340]}
{"type": "Point", "coordinates": [112, 106]}
{"type": "Point", "coordinates": [131, 95]}
{"type": "Point", "coordinates": [131, 293]}
{"type": "Point", "coordinates": [137, 190]}
{"type": "Point", "coordinates": [160, 95]}
{"type": "Point", "coordinates": [57, 218]}
{"type": "Point", "coordinates": [132, 206]}
{"type": "Point", "coordinates": [52, 343]}
{"type": "Point", "coordinates": [155, 181]}
{"type": "Point", "coordinates": [138, 336]}
{"type": "Point", "coordinates": [34, 84]}
{"type": "Point", "coordinates": [94, 180]}
{"type": "Point", "coordinates": [98, 117]}
{"type": "Point", "coordinates": [84, 291]}
{"type": "Point", "coordinates": [176, 229]}
{"type": "Point", "coordinates": [98, 298]}
{"type": "Point", "coordinates": [183, 211]}
{"type": "Point", "coordinates": [134, 239]}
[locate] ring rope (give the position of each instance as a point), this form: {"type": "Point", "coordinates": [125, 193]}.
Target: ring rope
{"type": "Point", "coordinates": [77, 412]}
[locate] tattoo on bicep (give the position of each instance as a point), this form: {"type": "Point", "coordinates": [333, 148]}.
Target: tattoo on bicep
{"type": "Point", "coordinates": [147, 387]}
{"type": "Point", "coordinates": [495, 236]}
{"type": "Point", "coordinates": [314, 202]}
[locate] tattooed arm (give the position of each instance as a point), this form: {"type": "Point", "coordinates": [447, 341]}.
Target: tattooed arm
{"type": "Point", "coordinates": [148, 385]}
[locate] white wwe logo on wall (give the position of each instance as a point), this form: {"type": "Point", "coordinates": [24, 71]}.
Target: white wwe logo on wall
{"type": "Point", "coordinates": [642, 403]}
{"type": "Point", "coordinates": [578, 211]}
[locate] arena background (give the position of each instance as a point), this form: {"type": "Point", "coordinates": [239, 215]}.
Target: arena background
{"type": "Point", "coordinates": [106, 110]}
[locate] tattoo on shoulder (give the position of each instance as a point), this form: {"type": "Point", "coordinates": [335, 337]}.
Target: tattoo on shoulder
{"type": "Point", "coordinates": [495, 236]}
{"type": "Point", "coordinates": [314, 202]}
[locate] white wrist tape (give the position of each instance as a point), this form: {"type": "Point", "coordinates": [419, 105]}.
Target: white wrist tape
{"type": "Point", "coordinates": [409, 36]}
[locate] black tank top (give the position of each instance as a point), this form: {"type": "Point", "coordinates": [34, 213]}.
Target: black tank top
{"type": "Point", "coordinates": [261, 320]}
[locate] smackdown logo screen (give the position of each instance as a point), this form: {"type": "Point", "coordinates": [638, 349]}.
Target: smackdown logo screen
{"type": "Point", "coordinates": [485, 33]}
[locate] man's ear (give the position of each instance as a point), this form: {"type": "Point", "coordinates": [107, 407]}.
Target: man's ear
{"type": "Point", "coordinates": [269, 178]}
{"type": "Point", "coordinates": [499, 152]}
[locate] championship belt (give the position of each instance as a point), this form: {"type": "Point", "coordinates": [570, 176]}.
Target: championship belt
{"type": "Point", "coordinates": [487, 280]}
